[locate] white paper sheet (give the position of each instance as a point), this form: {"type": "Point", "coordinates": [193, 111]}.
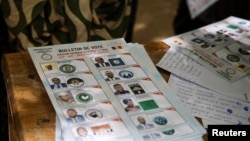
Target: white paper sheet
{"type": "Point", "coordinates": [185, 67]}
{"type": "Point", "coordinates": [210, 105]}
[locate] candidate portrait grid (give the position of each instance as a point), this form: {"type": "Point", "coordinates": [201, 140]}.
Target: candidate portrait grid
{"type": "Point", "coordinates": [228, 41]}
{"type": "Point", "coordinates": [135, 91]}
{"type": "Point", "coordinates": [138, 95]}
{"type": "Point", "coordinates": [82, 100]}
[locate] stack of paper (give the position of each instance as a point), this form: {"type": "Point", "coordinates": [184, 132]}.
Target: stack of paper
{"type": "Point", "coordinates": [111, 91]}
{"type": "Point", "coordinates": [210, 71]}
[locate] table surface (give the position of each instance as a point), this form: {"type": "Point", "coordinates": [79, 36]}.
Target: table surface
{"type": "Point", "coordinates": [31, 114]}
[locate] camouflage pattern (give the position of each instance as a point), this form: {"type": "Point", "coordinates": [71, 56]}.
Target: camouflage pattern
{"type": "Point", "coordinates": [50, 22]}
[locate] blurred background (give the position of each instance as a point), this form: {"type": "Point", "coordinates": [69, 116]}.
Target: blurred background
{"type": "Point", "coordinates": [154, 20]}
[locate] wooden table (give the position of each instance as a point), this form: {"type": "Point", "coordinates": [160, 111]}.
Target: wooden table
{"type": "Point", "coordinates": [31, 114]}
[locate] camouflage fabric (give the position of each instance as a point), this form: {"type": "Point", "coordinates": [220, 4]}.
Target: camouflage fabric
{"type": "Point", "coordinates": [50, 22]}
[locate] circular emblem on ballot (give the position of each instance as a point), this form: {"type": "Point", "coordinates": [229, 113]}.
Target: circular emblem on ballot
{"type": "Point", "coordinates": [84, 97]}
{"type": "Point", "coordinates": [67, 68]}
{"type": "Point", "coordinates": [93, 114]}
{"type": "Point", "coordinates": [233, 58]}
{"type": "Point", "coordinates": [244, 51]}
{"type": "Point", "coordinates": [169, 132]}
{"type": "Point", "coordinates": [126, 74]}
{"type": "Point", "coordinates": [46, 56]}
{"type": "Point", "coordinates": [230, 71]}
{"type": "Point", "coordinates": [160, 120]}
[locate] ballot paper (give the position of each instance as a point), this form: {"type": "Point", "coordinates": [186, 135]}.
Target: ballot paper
{"type": "Point", "coordinates": [103, 112]}
{"type": "Point", "coordinates": [222, 47]}
{"type": "Point", "coordinates": [210, 71]}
